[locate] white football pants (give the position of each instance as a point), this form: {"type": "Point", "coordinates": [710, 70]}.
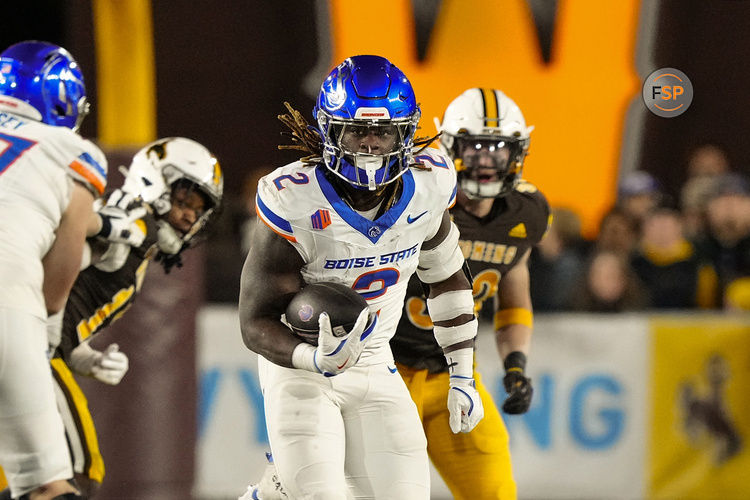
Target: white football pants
{"type": "Point", "coordinates": [33, 450]}
{"type": "Point", "coordinates": [355, 435]}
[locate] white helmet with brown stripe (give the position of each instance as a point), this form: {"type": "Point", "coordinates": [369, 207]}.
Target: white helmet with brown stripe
{"type": "Point", "coordinates": [165, 165]}
{"type": "Point", "coordinates": [485, 134]}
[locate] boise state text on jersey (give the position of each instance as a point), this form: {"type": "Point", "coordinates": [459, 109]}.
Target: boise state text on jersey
{"type": "Point", "coordinates": [491, 246]}
{"type": "Point", "coordinates": [374, 257]}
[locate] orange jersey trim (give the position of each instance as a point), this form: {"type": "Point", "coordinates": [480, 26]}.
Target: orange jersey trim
{"type": "Point", "coordinates": [290, 238]}
{"type": "Point", "coordinates": [84, 172]}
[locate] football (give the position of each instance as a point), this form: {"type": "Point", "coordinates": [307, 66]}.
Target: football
{"type": "Point", "coordinates": [342, 304]}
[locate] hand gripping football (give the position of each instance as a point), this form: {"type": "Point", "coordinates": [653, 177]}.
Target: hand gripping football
{"type": "Point", "coordinates": [342, 304]}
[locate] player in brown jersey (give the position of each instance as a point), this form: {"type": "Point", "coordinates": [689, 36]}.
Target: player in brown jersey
{"type": "Point", "coordinates": [181, 183]}
{"type": "Point", "coordinates": [500, 218]}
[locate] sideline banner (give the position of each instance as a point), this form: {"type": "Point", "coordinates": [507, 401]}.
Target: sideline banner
{"type": "Point", "coordinates": [232, 437]}
{"type": "Point", "coordinates": [625, 407]}
{"type": "Point", "coordinates": [701, 410]}
{"type": "Point", "coordinates": [583, 435]}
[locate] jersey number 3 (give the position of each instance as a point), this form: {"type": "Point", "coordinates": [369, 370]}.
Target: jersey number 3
{"type": "Point", "coordinates": [382, 279]}
{"type": "Point", "coordinates": [485, 287]}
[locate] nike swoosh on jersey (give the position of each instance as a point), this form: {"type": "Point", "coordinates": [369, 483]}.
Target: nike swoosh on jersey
{"type": "Point", "coordinates": [342, 364]}
{"type": "Point", "coordinates": [410, 219]}
{"type": "Point", "coordinates": [392, 370]}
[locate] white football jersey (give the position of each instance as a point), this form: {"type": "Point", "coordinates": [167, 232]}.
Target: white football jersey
{"type": "Point", "coordinates": [38, 163]}
{"type": "Point", "coordinates": [375, 258]}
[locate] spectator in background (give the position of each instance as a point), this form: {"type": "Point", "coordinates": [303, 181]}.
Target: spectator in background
{"type": "Point", "coordinates": [707, 160]}
{"type": "Point", "coordinates": [609, 285]}
{"type": "Point", "coordinates": [694, 197]}
{"type": "Point", "coordinates": [637, 194]}
{"type": "Point", "coordinates": [737, 295]}
{"type": "Point", "coordinates": [618, 232]}
{"type": "Point", "coordinates": [557, 261]}
{"type": "Point", "coordinates": [667, 263]}
{"type": "Point", "coordinates": [726, 244]}
{"type": "Point", "coordinates": [704, 164]}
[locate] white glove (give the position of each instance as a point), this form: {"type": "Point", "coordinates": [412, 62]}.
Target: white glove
{"type": "Point", "coordinates": [54, 331]}
{"type": "Point", "coordinates": [269, 487]}
{"type": "Point", "coordinates": [335, 354]}
{"type": "Point", "coordinates": [108, 367]}
{"type": "Point", "coordinates": [119, 218]}
{"type": "Point", "coordinates": [113, 258]}
{"type": "Point", "coordinates": [112, 366]}
{"type": "Point", "coordinates": [464, 403]}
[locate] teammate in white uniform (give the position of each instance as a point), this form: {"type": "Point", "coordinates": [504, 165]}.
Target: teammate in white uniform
{"type": "Point", "coordinates": [49, 177]}
{"type": "Point", "coordinates": [368, 212]}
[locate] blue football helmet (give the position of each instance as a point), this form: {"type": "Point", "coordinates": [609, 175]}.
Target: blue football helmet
{"type": "Point", "coordinates": [367, 115]}
{"type": "Point", "coordinates": [42, 81]}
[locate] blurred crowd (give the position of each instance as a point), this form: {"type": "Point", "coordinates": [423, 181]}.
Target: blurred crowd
{"type": "Point", "coordinates": [652, 251]}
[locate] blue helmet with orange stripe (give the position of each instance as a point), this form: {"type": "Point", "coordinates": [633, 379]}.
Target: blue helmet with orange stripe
{"type": "Point", "coordinates": [367, 115]}
{"type": "Point", "coordinates": [485, 134]}
{"type": "Point", "coordinates": [43, 82]}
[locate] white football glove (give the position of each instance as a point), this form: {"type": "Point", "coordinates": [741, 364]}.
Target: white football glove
{"type": "Point", "coordinates": [269, 487]}
{"type": "Point", "coordinates": [54, 331]}
{"type": "Point", "coordinates": [118, 219]}
{"type": "Point", "coordinates": [108, 367]}
{"type": "Point", "coordinates": [335, 354]}
{"type": "Point", "coordinates": [464, 403]}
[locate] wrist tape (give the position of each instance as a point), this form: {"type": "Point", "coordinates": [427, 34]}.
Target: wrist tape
{"type": "Point", "coordinates": [303, 357]}
{"type": "Point", "coordinates": [461, 363]}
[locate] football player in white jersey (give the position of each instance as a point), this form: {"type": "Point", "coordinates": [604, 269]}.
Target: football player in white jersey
{"type": "Point", "coordinates": [368, 209]}
{"type": "Point", "coordinates": [49, 178]}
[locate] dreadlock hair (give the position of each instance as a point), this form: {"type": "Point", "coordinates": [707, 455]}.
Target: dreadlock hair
{"type": "Point", "coordinates": [422, 143]}
{"type": "Point", "coordinates": [304, 136]}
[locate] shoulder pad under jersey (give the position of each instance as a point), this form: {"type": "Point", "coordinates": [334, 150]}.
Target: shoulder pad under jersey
{"type": "Point", "coordinates": [282, 196]}
{"type": "Point", "coordinates": [90, 168]}
{"type": "Point", "coordinates": [536, 209]}
{"type": "Point", "coordinates": [84, 161]}
{"type": "Point", "coordinates": [436, 172]}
